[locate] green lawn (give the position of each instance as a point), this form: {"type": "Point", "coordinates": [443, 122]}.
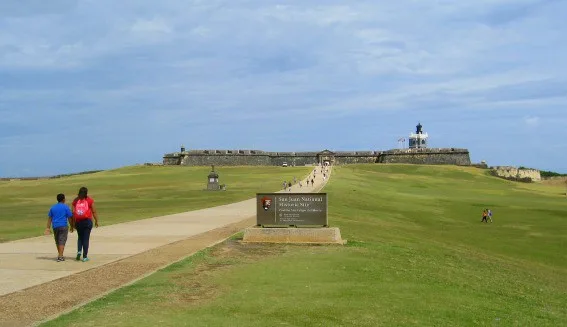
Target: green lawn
{"type": "Point", "coordinates": [418, 255]}
{"type": "Point", "coordinates": [133, 193]}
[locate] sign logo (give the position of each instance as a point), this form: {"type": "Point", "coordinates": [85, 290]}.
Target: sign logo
{"type": "Point", "coordinates": [266, 203]}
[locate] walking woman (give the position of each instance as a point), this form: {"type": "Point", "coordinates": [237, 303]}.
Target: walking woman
{"type": "Point", "coordinates": [83, 213]}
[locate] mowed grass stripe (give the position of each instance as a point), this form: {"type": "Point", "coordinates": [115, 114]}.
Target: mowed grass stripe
{"type": "Point", "coordinates": [418, 256]}
{"type": "Point", "coordinates": [133, 193]}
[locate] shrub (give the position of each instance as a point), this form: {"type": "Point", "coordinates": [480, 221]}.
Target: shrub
{"type": "Point", "coordinates": [545, 173]}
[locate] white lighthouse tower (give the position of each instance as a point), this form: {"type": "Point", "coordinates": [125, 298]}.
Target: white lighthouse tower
{"type": "Point", "coordinates": [418, 140]}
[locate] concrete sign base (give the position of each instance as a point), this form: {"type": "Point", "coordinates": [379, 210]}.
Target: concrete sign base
{"type": "Point", "coordinates": [325, 235]}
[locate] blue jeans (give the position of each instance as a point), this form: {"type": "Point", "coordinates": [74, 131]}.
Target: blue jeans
{"type": "Point", "coordinates": [84, 228]}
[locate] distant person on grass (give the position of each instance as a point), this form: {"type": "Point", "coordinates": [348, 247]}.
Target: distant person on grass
{"type": "Point", "coordinates": [83, 213]}
{"type": "Point", "coordinates": [489, 214]}
{"type": "Point", "coordinates": [484, 216]}
{"type": "Point", "coordinates": [59, 218]}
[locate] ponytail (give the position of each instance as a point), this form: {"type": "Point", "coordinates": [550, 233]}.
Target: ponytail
{"type": "Point", "coordinates": [83, 191]}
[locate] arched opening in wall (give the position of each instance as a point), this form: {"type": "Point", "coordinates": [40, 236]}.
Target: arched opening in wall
{"type": "Point", "coordinates": [326, 161]}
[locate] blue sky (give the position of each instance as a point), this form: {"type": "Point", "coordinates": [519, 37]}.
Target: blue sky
{"type": "Point", "coordinates": [97, 84]}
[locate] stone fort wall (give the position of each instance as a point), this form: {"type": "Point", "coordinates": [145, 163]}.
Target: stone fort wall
{"type": "Point", "coordinates": [426, 156]}
{"type": "Point", "coordinates": [434, 156]}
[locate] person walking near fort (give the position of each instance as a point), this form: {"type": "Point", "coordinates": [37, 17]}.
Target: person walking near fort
{"type": "Point", "coordinates": [312, 182]}
{"type": "Point", "coordinates": [59, 218]}
{"type": "Point", "coordinates": [484, 215]}
{"type": "Point", "coordinates": [83, 213]}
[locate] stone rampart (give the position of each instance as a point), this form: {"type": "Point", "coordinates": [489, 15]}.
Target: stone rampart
{"type": "Point", "coordinates": [293, 160]}
{"type": "Point", "coordinates": [172, 159]}
{"type": "Point", "coordinates": [239, 158]}
{"type": "Point", "coordinates": [226, 160]}
{"type": "Point", "coordinates": [517, 173]}
{"type": "Point", "coordinates": [356, 157]}
{"type": "Point", "coordinates": [427, 156]}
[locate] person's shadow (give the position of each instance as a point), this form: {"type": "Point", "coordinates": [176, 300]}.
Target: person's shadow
{"type": "Point", "coordinates": [51, 258]}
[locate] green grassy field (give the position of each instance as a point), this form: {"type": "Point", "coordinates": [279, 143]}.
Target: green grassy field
{"type": "Point", "coordinates": [417, 255]}
{"type": "Point", "coordinates": [133, 193]}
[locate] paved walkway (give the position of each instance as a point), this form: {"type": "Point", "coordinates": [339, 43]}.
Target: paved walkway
{"type": "Point", "coordinates": [30, 262]}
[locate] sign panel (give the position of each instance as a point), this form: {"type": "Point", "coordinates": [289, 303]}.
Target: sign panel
{"type": "Point", "coordinates": [285, 209]}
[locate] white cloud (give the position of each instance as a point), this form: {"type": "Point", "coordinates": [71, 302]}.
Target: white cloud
{"type": "Point", "coordinates": [201, 31]}
{"type": "Point", "coordinates": [532, 121]}
{"type": "Point", "coordinates": [151, 26]}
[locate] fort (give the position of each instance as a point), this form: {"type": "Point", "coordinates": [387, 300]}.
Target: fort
{"type": "Point", "coordinates": [417, 153]}
{"type": "Point", "coordinates": [435, 156]}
